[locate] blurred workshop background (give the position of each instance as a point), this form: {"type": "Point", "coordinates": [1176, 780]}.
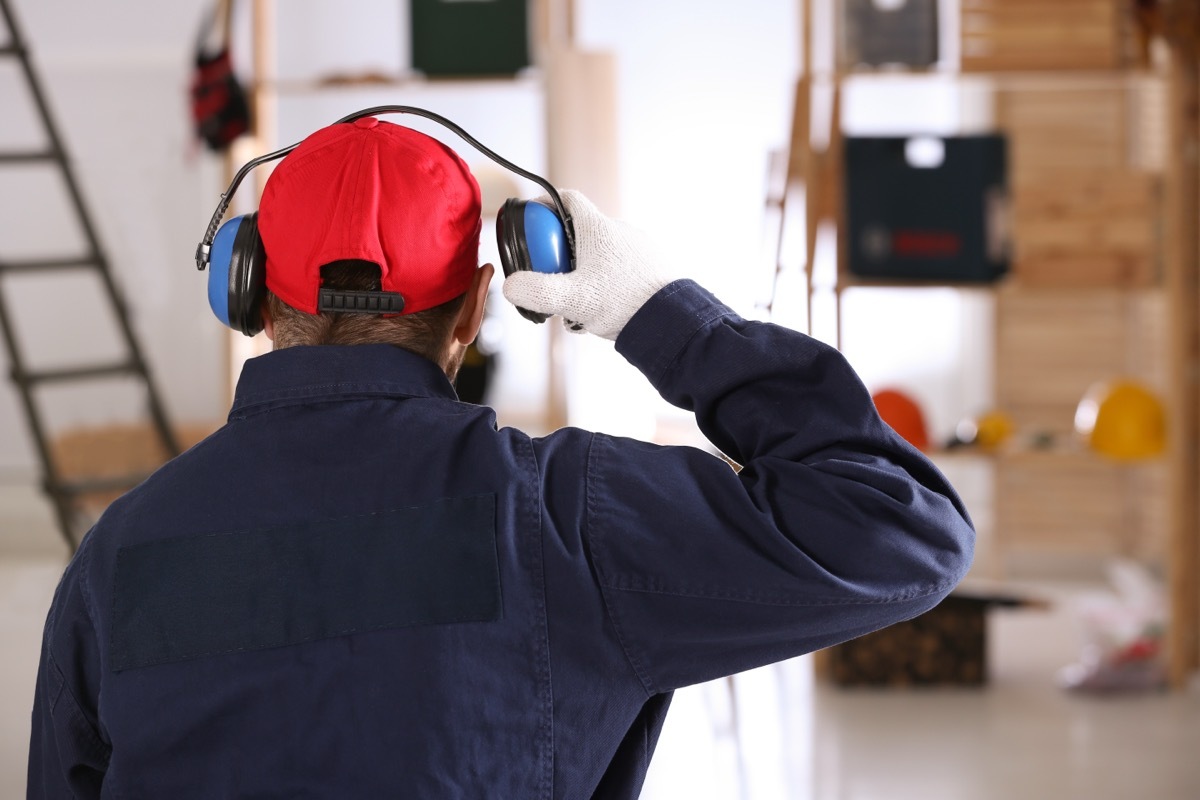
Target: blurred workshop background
{"type": "Point", "coordinates": [991, 206]}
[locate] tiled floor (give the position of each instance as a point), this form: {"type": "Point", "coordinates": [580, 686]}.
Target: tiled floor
{"type": "Point", "coordinates": [774, 734]}
{"type": "Point", "coordinates": [1021, 738]}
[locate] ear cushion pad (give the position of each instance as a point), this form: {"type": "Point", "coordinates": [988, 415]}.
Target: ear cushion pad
{"type": "Point", "coordinates": [247, 287]}
{"type": "Point", "coordinates": [510, 236]}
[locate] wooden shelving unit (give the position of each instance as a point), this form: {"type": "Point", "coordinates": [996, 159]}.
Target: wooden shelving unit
{"type": "Point", "coordinates": [1180, 21]}
{"type": "Point", "coordinates": [1000, 35]}
{"type": "Point", "coordinates": [1105, 190]}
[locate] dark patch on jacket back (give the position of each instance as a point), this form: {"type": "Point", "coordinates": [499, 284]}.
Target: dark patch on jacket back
{"type": "Point", "coordinates": [189, 597]}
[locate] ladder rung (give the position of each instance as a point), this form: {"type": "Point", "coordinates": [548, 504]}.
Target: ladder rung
{"type": "Point", "coordinates": [27, 156]}
{"type": "Point", "coordinates": [10, 50]}
{"type": "Point", "coordinates": [79, 373]}
{"type": "Point", "coordinates": [89, 485]}
{"type": "Point", "coordinates": [35, 265]}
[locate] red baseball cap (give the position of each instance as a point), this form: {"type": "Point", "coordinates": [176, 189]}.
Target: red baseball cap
{"type": "Point", "coordinates": [371, 191]}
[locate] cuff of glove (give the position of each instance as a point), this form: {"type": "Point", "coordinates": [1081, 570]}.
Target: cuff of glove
{"type": "Point", "coordinates": [662, 327]}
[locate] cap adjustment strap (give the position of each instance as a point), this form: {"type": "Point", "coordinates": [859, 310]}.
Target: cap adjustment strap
{"type": "Point", "coordinates": [359, 302]}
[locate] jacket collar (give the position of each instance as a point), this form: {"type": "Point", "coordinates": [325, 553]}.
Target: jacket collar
{"type": "Point", "coordinates": [331, 371]}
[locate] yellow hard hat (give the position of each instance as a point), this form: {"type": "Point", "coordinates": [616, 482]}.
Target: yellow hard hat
{"type": "Point", "coordinates": [1122, 420]}
{"type": "Point", "coordinates": [993, 429]}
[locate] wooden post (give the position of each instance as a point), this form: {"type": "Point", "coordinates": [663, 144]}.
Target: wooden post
{"type": "Point", "coordinates": [800, 170]}
{"type": "Point", "coordinates": [262, 100]}
{"type": "Point", "coordinates": [565, 132]}
{"type": "Point", "coordinates": [820, 172]}
{"type": "Point", "coordinates": [264, 103]}
{"type": "Point", "coordinates": [800, 164]}
{"type": "Point", "coordinates": [1183, 291]}
{"type": "Point", "coordinates": [262, 97]}
{"type": "Point", "coordinates": [834, 199]}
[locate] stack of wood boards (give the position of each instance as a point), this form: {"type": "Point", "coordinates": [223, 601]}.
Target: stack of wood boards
{"type": "Point", "coordinates": [1008, 35]}
{"type": "Point", "coordinates": [1083, 215]}
{"type": "Point", "coordinates": [1087, 229]}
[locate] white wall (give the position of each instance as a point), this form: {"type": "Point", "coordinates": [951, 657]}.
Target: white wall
{"type": "Point", "coordinates": [116, 77]}
{"type": "Point", "coordinates": [704, 94]}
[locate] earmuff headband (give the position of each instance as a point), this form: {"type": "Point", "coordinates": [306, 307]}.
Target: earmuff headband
{"type": "Point", "coordinates": [203, 249]}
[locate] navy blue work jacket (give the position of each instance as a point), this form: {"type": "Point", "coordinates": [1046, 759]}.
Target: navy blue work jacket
{"type": "Point", "coordinates": [360, 588]}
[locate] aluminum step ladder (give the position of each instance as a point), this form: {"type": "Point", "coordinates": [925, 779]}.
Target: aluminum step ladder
{"type": "Point", "coordinates": [65, 494]}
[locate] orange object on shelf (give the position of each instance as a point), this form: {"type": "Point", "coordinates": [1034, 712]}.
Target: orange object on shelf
{"type": "Point", "coordinates": [904, 415]}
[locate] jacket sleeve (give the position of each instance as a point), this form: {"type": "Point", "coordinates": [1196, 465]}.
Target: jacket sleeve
{"type": "Point", "coordinates": [834, 527]}
{"type": "Point", "coordinates": [68, 755]}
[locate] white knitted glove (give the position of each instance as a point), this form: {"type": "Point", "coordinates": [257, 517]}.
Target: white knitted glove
{"type": "Point", "coordinates": [615, 273]}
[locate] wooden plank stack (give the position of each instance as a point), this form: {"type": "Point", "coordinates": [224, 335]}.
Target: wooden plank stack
{"type": "Point", "coordinates": [1083, 215]}
{"type": "Point", "coordinates": [1087, 228]}
{"type": "Point", "coordinates": [1058, 122]}
{"type": "Point", "coordinates": [1027, 35]}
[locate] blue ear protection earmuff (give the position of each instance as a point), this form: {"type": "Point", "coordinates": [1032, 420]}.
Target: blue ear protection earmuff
{"type": "Point", "coordinates": [237, 282]}
{"type": "Point", "coordinates": [531, 235]}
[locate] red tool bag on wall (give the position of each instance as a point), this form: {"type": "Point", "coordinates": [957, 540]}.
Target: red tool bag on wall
{"type": "Point", "coordinates": [220, 112]}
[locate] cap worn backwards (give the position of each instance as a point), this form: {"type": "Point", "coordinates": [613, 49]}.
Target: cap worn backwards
{"type": "Point", "coordinates": [371, 191]}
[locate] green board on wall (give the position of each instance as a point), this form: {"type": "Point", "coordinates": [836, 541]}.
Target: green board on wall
{"type": "Point", "coordinates": [469, 37]}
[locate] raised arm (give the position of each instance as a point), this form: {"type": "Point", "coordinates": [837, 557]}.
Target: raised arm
{"type": "Point", "coordinates": [834, 527]}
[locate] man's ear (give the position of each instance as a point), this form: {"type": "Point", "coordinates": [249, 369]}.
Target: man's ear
{"type": "Point", "coordinates": [471, 315]}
